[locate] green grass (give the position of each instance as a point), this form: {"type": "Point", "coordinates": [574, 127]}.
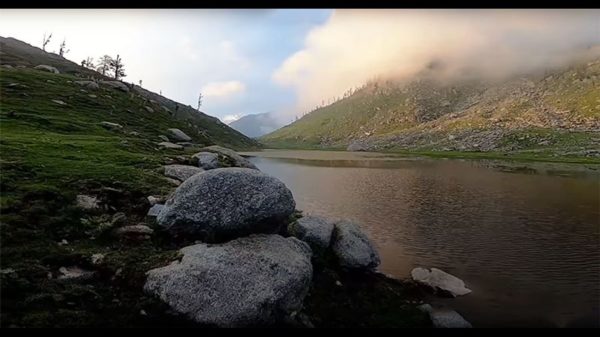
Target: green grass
{"type": "Point", "coordinates": [50, 153]}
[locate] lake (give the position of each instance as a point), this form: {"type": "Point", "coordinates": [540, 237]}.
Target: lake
{"type": "Point", "coordinates": [524, 237]}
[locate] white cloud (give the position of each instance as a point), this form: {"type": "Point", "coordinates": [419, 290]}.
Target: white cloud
{"type": "Point", "coordinates": [231, 118]}
{"type": "Point", "coordinates": [355, 46]}
{"type": "Point", "coordinates": [222, 89]}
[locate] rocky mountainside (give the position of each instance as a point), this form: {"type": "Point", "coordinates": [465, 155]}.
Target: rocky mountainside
{"type": "Point", "coordinates": [18, 56]}
{"type": "Point", "coordinates": [557, 112]}
{"type": "Point", "coordinates": [256, 125]}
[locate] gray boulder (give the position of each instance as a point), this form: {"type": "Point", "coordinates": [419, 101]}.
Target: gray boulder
{"type": "Point", "coordinates": [314, 230]}
{"type": "Point", "coordinates": [352, 247]}
{"type": "Point", "coordinates": [438, 279]}
{"type": "Point", "coordinates": [47, 68]}
{"type": "Point", "coordinates": [169, 145]}
{"type": "Point", "coordinates": [163, 138]}
{"type": "Point", "coordinates": [230, 157]}
{"type": "Point", "coordinates": [178, 135]}
{"type": "Point", "coordinates": [155, 210]}
{"type": "Point", "coordinates": [251, 281]}
{"type": "Point", "coordinates": [226, 203]}
{"type": "Point", "coordinates": [88, 84]}
{"type": "Point", "coordinates": [116, 85]}
{"type": "Point", "coordinates": [357, 145]}
{"type": "Point", "coordinates": [181, 172]}
{"type": "Point", "coordinates": [207, 160]}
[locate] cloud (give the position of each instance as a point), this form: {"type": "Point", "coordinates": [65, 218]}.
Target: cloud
{"type": "Point", "coordinates": [231, 118]}
{"type": "Point", "coordinates": [222, 89]}
{"type": "Point", "coordinates": [355, 46]}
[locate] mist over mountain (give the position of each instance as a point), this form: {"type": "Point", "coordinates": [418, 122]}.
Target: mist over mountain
{"type": "Point", "coordinates": [256, 125]}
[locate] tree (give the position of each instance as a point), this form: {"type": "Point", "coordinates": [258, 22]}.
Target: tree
{"type": "Point", "coordinates": [45, 41]}
{"type": "Point", "coordinates": [62, 51]}
{"type": "Point", "coordinates": [88, 63]}
{"type": "Point", "coordinates": [140, 83]}
{"type": "Point", "coordinates": [117, 66]}
{"type": "Point", "coordinates": [104, 64]}
{"type": "Point", "coordinates": [199, 100]}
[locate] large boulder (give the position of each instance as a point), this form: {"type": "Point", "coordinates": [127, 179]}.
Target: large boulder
{"type": "Point", "coordinates": [226, 203]}
{"type": "Point", "coordinates": [116, 85]}
{"type": "Point", "coordinates": [352, 247]}
{"type": "Point", "coordinates": [314, 230]}
{"type": "Point", "coordinates": [438, 279]}
{"type": "Point", "coordinates": [228, 157]}
{"type": "Point", "coordinates": [251, 281]}
{"type": "Point", "coordinates": [207, 160]}
{"type": "Point", "coordinates": [181, 172]}
{"type": "Point", "coordinates": [178, 135]}
{"type": "Point", "coordinates": [47, 68]}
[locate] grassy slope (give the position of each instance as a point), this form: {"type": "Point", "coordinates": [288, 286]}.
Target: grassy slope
{"type": "Point", "coordinates": [559, 111]}
{"type": "Point", "coordinates": [49, 154]}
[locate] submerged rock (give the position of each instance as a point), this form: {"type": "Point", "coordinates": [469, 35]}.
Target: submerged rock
{"type": "Point", "coordinates": [439, 279]}
{"type": "Point", "coordinates": [207, 160]}
{"type": "Point", "coordinates": [249, 281]}
{"type": "Point", "coordinates": [47, 68]}
{"type": "Point", "coordinates": [353, 248]}
{"type": "Point", "coordinates": [230, 156]}
{"type": "Point", "coordinates": [314, 230]}
{"type": "Point", "coordinates": [178, 135]}
{"type": "Point", "coordinates": [181, 172]}
{"type": "Point", "coordinates": [226, 203]}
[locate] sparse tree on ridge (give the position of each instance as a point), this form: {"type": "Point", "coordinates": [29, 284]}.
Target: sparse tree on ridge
{"type": "Point", "coordinates": [140, 83]}
{"type": "Point", "coordinates": [117, 66]}
{"type": "Point", "coordinates": [62, 51]}
{"type": "Point", "coordinates": [45, 41]}
{"type": "Point", "coordinates": [88, 63]}
{"type": "Point", "coordinates": [103, 65]}
{"type": "Point", "coordinates": [199, 100]}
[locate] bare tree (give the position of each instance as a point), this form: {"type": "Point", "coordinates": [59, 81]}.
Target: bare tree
{"type": "Point", "coordinates": [118, 67]}
{"type": "Point", "coordinates": [45, 41]}
{"type": "Point", "coordinates": [199, 100]}
{"type": "Point", "coordinates": [88, 63]}
{"type": "Point", "coordinates": [140, 83]}
{"type": "Point", "coordinates": [62, 51]}
{"type": "Point", "coordinates": [103, 65]}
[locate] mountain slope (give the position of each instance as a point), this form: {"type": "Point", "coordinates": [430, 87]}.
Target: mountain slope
{"type": "Point", "coordinates": [556, 112]}
{"type": "Point", "coordinates": [256, 125]}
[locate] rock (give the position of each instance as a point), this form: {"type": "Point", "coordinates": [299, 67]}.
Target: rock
{"type": "Point", "coordinates": [185, 144]}
{"type": "Point", "coordinates": [74, 273]}
{"type": "Point", "coordinates": [447, 318]}
{"type": "Point", "coordinates": [134, 230]}
{"type": "Point", "coordinates": [116, 85]}
{"type": "Point", "coordinates": [111, 126]}
{"type": "Point", "coordinates": [87, 202]}
{"type": "Point", "coordinates": [47, 68]}
{"type": "Point", "coordinates": [165, 138]}
{"type": "Point", "coordinates": [233, 159]}
{"type": "Point", "coordinates": [250, 281]}
{"type": "Point", "coordinates": [314, 230]}
{"type": "Point", "coordinates": [352, 247]}
{"type": "Point", "coordinates": [149, 109]}
{"type": "Point", "coordinates": [357, 145]}
{"type": "Point", "coordinates": [173, 181]}
{"type": "Point", "coordinates": [97, 258]}
{"type": "Point", "coordinates": [207, 160]}
{"type": "Point", "coordinates": [118, 219]}
{"type": "Point", "coordinates": [181, 172]}
{"type": "Point", "coordinates": [155, 210]}
{"type": "Point", "coordinates": [169, 145]}
{"type": "Point", "coordinates": [178, 135]}
{"type": "Point", "coordinates": [133, 133]}
{"type": "Point", "coordinates": [88, 84]}
{"type": "Point", "coordinates": [226, 203]}
{"type": "Point", "coordinates": [439, 279]}
{"type": "Point", "coordinates": [63, 242]}
{"type": "Point", "coordinates": [59, 102]}
{"type": "Point", "coordinates": [92, 96]}
{"type": "Point", "coordinates": [154, 200]}
{"type": "Point", "coordinates": [7, 66]}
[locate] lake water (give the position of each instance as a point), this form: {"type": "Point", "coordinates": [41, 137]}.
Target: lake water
{"type": "Point", "coordinates": [525, 239]}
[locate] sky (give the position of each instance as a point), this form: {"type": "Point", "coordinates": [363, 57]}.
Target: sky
{"type": "Point", "coordinates": [286, 61]}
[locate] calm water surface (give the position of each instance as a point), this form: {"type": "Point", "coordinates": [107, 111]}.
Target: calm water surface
{"type": "Point", "coordinates": [526, 240]}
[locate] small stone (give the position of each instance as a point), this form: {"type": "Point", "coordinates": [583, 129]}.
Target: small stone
{"type": "Point", "coordinates": [134, 230]}
{"type": "Point", "coordinates": [59, 102]}
{"type": "Point", "coordinates": [338, 283]}
{"type": "Point", "coordinates": [143, 312]}
{"type": "Point", "coordinates": [74, 273]}
{"type": "Point", "coordinates": [169, 145]}
{"type": "Point", "coordinates": [111, 126]}
{"type": "Point", "coordinates": [97, 258]}
{"type": "Point", "coordinates": [149, 109]}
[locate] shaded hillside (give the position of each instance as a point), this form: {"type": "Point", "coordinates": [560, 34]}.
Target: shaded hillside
{"type": "Point", "coordinates": [256, 125]}
{"type": "Point", "coordinates": [555, 113]}
{"type": "Point", "coordinates": [199, 125]}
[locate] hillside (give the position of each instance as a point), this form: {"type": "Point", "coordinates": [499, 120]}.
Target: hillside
{"type": "Point", "coordinates": [548, 114]}
{"type": "Point", "coordinates": [256, 125]}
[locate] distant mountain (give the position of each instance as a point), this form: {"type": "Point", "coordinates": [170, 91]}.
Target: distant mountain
{"type": "Point", "coordinates": [256, 125]}
{"type": "Point", "coordinates": [555, 112]}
